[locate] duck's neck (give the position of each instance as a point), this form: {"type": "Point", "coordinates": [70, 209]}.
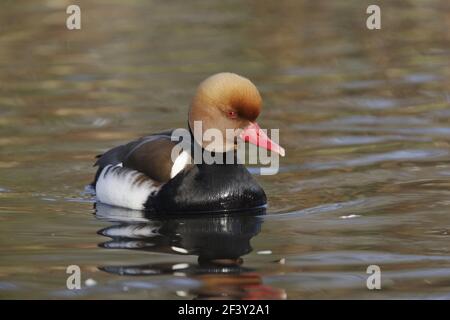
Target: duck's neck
{"type": "Point", "coordinates": [228, 157]}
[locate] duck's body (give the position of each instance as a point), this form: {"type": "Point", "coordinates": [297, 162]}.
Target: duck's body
{"type": "Point", "coordinates": [140, 175]}
{"type": "Point", "coordinates": [144, 175]}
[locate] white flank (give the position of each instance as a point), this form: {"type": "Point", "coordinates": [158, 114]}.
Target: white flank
{"type": "Point", "coordinates": [117, 186]}
{"type": "Point", "coordinates": [180, 163]}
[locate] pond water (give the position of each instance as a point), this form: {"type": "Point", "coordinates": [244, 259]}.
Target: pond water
{"type": "Point", "coordinates": [364, 117]}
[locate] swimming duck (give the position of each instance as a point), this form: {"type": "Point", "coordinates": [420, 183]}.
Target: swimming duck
{"type": "Point", "coordinates": [145, 175]}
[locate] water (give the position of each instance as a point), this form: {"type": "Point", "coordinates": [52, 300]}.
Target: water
{"type": "Point", "coordinates": [364, 117]}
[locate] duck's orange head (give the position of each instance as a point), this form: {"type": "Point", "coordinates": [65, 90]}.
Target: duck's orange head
{"type": "Point", "coordinates": [227, 101]}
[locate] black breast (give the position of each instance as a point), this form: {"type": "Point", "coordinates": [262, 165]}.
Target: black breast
{"type": "Point", "coordinates": [209, 188]}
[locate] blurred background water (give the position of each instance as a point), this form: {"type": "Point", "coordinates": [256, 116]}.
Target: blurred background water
{"type": "Point", "coordinates": [364, 116]}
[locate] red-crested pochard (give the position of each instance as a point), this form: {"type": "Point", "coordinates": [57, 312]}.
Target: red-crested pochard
{"type": "Point", "coordinates": [143, 175]}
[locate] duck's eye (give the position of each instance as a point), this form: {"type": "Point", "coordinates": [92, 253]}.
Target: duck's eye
{"type": "Point", "coordinates": [232, 114]}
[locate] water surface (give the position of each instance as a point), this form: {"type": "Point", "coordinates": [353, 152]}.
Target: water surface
{"type": "Point", "coordinates": [364, 117]}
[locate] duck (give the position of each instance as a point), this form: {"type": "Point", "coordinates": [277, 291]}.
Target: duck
{"type": "Point", "coordinates": [146, 174]}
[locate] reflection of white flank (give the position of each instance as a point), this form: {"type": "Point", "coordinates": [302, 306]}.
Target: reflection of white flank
{"type": "Point", "coordinates": [133, 231]}
{"type": "Point", "coordinates": [178, 249]}
{"type": "Point", "coordinates": [180, 266]}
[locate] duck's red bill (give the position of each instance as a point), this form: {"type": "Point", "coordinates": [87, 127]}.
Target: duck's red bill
{"type": "Point", "coordinates": [253, 134]}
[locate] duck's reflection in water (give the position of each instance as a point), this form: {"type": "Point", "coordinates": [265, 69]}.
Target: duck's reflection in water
{"type": "Point", "coordinates": [218, 241]}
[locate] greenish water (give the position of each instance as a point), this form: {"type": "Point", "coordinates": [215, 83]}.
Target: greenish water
{"type": "Point", "coordinates": [364, 117]}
